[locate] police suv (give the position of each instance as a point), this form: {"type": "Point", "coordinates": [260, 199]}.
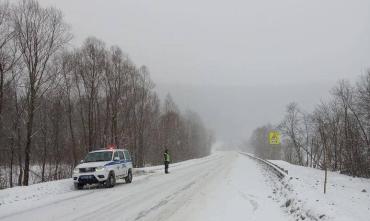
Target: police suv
{"type": "Point", "coordinates": [103, 167]}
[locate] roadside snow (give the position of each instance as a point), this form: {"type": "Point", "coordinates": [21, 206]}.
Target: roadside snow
{"type": "Point", "coordinates": [303, 188]}
{"type": "Point", "coordinates": [34, 192]}
{"type": "Point", "coordinates": [57, 190]}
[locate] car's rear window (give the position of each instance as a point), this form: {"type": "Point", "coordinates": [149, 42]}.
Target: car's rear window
{"type": "Point", "coordinates": [98, 156]}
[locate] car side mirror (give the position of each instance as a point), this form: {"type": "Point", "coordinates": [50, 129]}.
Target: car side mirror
{"type": "Point", "coordinates": [116, 159]}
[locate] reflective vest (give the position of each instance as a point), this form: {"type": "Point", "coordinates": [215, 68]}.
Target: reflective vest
{"type": "Point", "coordinates": [166, 157]}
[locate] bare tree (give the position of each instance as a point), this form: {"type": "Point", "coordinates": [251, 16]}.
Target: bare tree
{"type": "Point", "coordinates": [8, 51]}
{"type": "Point", "coordinates": [346, 93]}
{"type": "Point", "coordinates": [291, 128]}
{"type": "Point", "coordinates": [67, 65]}
{"type": "Point", "coordinates": [144, 91]}
{"type": "Point", "coordinates": [319, 117]}
{"type": "Point", "coordinates": [91, 72]}
{"type": "Point", "coordinates": [363, 105]}
{"type": "Point", "coordinates": [39, 34]}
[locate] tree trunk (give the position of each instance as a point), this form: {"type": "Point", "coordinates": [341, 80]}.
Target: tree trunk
{"type": "Point", "coordinates": [43, 162]}
{"type": "Point", "coordinates": [11, 163]}
{"type": "Point", "coordinates": [27, 151]}
{"type": "Point", "coordinates": [90, 123]}
{"type": "Point", "coordinates": [74, 154]}
{"type": "Point", "coordinates": [326, 172]}
{"type": "Point", "coordinates": [1, 89]}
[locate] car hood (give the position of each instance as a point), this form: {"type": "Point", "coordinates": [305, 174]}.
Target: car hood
{"type": "Point", "coordinates": [92, 164]}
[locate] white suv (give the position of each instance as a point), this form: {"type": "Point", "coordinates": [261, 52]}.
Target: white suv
{"type": "Point", "coordinates": [103, 167]}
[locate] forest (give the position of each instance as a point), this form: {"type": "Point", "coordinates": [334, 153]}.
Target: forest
{"type": "Point", "coordinates": [334, 136]}
{"type": "Point", "coordinates": [58, 101]}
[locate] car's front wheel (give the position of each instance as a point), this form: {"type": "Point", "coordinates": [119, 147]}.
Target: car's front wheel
{"type": "Point", "coordinates": [111, 181]}
{"type": "Point", "coordinates": [79, 186]}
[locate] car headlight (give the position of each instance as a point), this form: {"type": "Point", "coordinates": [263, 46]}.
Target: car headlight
{"type": "Point", "coordinates": [99, 169]}
{"type": "Point", "coordinates": [76, 170]}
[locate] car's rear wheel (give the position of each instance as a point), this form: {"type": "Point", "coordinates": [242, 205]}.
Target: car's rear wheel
{"type": "Point", "coordinates": [128, 178]}
{"type": "Point", "coordinates": [111, 181]}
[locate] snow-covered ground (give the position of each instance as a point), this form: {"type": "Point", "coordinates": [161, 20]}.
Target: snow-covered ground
{"type": "Point", "coordinates": [347, 198]}
{"type": "Point", "coordinates": [223, 186]}
{"type": "Point", "coordinates": [35, 173]}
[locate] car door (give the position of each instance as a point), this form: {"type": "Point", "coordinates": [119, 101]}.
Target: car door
{"type": "Point", "coordinates": [123, 167]}
{"type": "Point", "coordinates": [128, 159]}
{"type": "Point", "coordinates": [117, 166]}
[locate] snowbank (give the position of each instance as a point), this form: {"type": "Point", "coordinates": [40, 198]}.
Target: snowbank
{"type": "Point", "coordinates": [34, 192]}
{"type": "Point", "coordinates": [301, 192]}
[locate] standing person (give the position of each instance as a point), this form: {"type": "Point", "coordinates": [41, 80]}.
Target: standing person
{"type": "Point", "coordinates": [167, 160]}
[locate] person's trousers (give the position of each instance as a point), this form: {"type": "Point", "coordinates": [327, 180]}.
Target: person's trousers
{"type": "Point", "coordinates": [166, 165]}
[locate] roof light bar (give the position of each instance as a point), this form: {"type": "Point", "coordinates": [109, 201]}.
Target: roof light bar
{"type": "Point", "coordinates": [111, 146]}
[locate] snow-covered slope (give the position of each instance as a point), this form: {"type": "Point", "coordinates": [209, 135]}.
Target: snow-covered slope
{"type": "Point", "coordinates": [347, 198]}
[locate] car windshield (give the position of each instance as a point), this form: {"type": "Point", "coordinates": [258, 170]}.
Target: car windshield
{"type": "Point", "coordinates": [98, 156]}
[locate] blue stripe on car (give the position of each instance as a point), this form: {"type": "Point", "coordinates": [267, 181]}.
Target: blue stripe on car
{"type": "Point", "coordinates": [117, 162]}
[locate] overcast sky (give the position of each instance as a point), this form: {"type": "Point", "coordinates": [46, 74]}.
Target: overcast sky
{"type": "Point", "coordinates": [236, 62]}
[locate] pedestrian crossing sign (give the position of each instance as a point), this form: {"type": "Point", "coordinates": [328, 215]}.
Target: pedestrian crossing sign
{"type": "Point", "coordinates": [274, 137]}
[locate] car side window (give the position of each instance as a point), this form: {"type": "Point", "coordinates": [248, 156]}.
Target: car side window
{"type": "Point", "coordinates": [127, 155]}
{"type": "Point", "coordinates": [121, 155]}
{"type": "Point", "coordinates": [115, 155]}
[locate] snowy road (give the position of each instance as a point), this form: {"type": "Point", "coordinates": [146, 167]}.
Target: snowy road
{"type": "Point", "coordinates": [224, 186]}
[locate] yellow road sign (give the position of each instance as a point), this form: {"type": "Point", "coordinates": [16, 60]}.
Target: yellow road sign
{"type": "Point", "coordinates": [274, 137]}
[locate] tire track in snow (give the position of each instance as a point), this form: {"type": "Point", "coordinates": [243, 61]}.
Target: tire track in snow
{"type": "Point", "coordinates": [163, 202]}
{"type": "Point", "coordinates": [253, 203]}
{"type": "Point", "coordinates": [215, 173]}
